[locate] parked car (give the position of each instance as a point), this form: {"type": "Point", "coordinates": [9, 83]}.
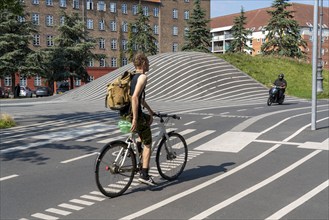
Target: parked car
{"type": "Point", "coordinates": [26, 92]}
{"type": "Point", "coordinates": [63, 87]}
{"type": "Point", "coordinates": [4, 93]}
{"type": "Point", "coordinates": [43, 91]}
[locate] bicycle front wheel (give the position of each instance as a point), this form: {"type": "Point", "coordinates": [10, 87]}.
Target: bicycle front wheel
{"type": "Point", "coordinates": [115, 169]}
{"type": "Point", "coordinates": [171, 163]}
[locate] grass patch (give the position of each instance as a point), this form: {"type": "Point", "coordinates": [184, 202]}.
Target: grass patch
{"type": "Point", "coordinates": [6, 121]}
{"type": "Point", "coordinates": [265, 69]}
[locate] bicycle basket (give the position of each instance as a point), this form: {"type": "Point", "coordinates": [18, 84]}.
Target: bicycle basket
{"type": "Point", "coordinates": [124, 126]}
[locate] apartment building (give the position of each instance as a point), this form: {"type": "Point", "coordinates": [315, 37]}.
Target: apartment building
{"type": "Point", "coordinates": [107, 21]}
{"type": "Point", "coordinates": [258, 19]}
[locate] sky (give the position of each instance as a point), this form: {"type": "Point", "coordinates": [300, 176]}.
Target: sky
{"type": "Point", "coordinates": [222, 7]}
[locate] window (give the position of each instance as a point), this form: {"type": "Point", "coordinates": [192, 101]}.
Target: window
{"type": "Point", "coordinates": [113, 7]}
{"type": "Point", "coordinates": [90, 24]}
{"type": "Point", "coordinates": [124, 26]}
{"type": "Point", "coordinates": [101, 43]}
{"type": "Point", "coordinates": [62, 3]}
{"type": "Point", "coordinates": [114, 44]}
{"type": "Point", "coordinates": [36, 40]}
{"type": "Point", "coordinates": [186, 15]}
{"type": "Point", "coordinates": [35, 2]}
{"type": "Point", "coordinates": [186, 30]}
{"type": "Point", "coordinates": [124, 8]}
{"type": "Point", "coordinates": [135, 47]}
{"type": "Point", "coordinates": [23, 80]}
{"type": "Point", "coordinates": [77, 81]}
{"type": "Point", "coordinates": [8, 81]}
{"type": "Point", "coordinates": [156, 29]}
{"type": "Point", "coordinates": [175, 31]}
{"type": "Point", "coordinates": [102, 62]}
{"type": "Point", "coordinates": [76, 4]}
{"type": "Point", "coordinates": [156, 12]}
{"type": "Point", "coordinates": [175, 47]}
{"type": "Point", "coordinates": [90, 63]}
{"type": "Point", "coordinates": [62, 20]}
{"type": "Point", "coordinates": [263, 40]}
{"type": "Point", "coordinates": [37, 80]}
{"type": "Point", "coordinates": [134, 9]}
{"type": "Point", "coordinates": [35, 19]}
{"type": "Point", "coordinates": [90, 5]}
{"type": "Point", "coordinates": [101, 25]}
{"type": "Point", "coordinates": [124, 44]}
{"type": "Point", "coordinates": [175, 13]}
{"type": "Point", "coordinates": [101, 6]}
{"type": "Point", "coordinates": [49, 20]}
{"type": "Point", "coordinates": [50, 41]}
{"type": "Point", "coordinates": [21, 19]}
{"type": "Point", "coordinates": [124, 61]}
{"type": "Point", "coordinates": [114, 62]}
{"type": "Point", "coordinates": [113, 25]}
{"type": "Point", "coordinates": [146, 11]}
{"type": "Point", "coordinates": [91, 78]}
{"type": "Point", "coordinates": [187, 1]}
{"type": "Point", "coordinates": [49, 2]}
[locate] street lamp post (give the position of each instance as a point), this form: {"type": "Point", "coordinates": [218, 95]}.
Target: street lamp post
{"type": "Point", "coordinates": [314, 64]}
{"type": "Point", "coordinates": [320, 66]}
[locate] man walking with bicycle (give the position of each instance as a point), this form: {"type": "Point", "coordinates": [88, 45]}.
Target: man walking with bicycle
{"type": "Point", "coordinates": [141, 122]}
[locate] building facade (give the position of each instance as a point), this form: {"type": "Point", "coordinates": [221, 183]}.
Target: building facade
{"type": "Point", "coordinates": [258, 19]}
{"type": "Point", "coordinates": [107, 21]}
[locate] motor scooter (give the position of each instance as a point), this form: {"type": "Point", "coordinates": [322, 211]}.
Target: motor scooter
{"type": "Point", "coordinates": [274, 96]}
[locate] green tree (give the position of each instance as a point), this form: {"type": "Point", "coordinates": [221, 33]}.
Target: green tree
{"type": "Point", "coordinates": [15, 36]}
{"type": "Point", "coordinates": [198, 35]}
{"type": "Point", "coordinates": [72, 50]}
{"type": "Point", "coordinates": [283, 37]}
{"type": "Point", "coordinates": [141, 36]}
{"type": "Point", "coordinates": [240, 34]}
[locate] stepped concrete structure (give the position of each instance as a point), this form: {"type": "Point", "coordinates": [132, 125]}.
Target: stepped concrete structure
{"type": "Point", "coordinates": [183, 77]}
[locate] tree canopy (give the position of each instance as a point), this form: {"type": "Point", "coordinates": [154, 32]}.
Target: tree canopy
{"type": "Point", "coordinates": [140, 36]}
{"type": "Point", "coordinates": [283, 36]}
{"type": "Point", "coordinates": [240, 34]}
{"type": "Point", "coordinates": [197, 37]}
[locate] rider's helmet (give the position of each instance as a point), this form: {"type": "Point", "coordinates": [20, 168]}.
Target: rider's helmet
{"type": "Point", "coordinates": [281, 76]}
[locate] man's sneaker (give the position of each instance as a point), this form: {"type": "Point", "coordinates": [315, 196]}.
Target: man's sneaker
{"type": "Point", "coordinates": [147, 180]}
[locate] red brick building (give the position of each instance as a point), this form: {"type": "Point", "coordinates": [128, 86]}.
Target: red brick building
{"type": "Point", "coordinates": [258, 19]}
{"type": "Point", "coordinates": [107, 21]}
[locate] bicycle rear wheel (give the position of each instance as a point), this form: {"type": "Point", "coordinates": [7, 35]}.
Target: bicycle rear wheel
{"type": "Point", "coordinates": [171, 164]}
{"type": "Point", "coordinates": [113, 171]}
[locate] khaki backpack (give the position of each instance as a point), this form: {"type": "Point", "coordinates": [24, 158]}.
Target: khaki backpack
{"type": "Point", "coordinates": [118, 92]}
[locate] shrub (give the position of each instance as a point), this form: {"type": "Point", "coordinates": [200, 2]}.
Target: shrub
{"type": "Point", "coordinates": [6, 121]}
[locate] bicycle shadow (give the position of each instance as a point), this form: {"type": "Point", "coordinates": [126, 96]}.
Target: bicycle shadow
{"type": "Point", "coordinates": [187, 175]}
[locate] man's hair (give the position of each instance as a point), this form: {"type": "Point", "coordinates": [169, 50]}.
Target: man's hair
{"type": "Point", "coordinates": [140, 59]}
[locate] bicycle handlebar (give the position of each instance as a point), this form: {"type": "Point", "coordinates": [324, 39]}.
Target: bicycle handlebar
{"type": "Point", "coordinates": [163, 115]}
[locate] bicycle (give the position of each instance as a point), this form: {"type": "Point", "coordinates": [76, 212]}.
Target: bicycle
{"type": "Point", "coordinates": [117, 162]}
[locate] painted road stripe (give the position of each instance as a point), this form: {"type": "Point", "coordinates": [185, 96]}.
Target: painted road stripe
{"type": "Point", "coordinates": [9, 150]}
{"type": "Point", "coordinates": [191, 122]}
{"type": "Point", "coordinates": [207, 117]}
{"type": "Point", "coordinates": [199, 136]}
{"type": "Point", "coordinates": [187, 131]}
{"type": "Point", "coordinates": [252, 189]}
{"type": "Point", "coordinates": [78, 158]}
{"type": "Point", "coordinates": [58, 211]}
{"type": "Point", "coordinates": [8, 177]}
{"type": "Point", "coordinates": [83, 202]}
{"type": "Point", "coordinates": [95, 198]}
{"type": "Point", "coordinates": [285, 210]}
{"type": "Point", "coordinates": [69, 206]}
{"type": "Point", "coordinates": [43, 216]}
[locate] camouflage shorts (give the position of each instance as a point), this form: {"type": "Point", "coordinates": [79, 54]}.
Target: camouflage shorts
{"type": "Point", "coordinates": [143, 128]}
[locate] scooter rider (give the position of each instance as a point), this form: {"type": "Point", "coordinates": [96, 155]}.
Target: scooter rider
{"type": "Point", "coordinates": [282, 84]}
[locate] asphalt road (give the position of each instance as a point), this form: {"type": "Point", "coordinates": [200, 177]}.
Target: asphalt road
{"type": "Point", "coordinates": [246, 161]}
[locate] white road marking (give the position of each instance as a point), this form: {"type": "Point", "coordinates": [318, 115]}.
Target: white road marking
{"type": "Point", "coordinates": [313, 145]}
{"type": "Point", "coordinates": [191, 122]}
{"type": "Point", "coordinates": [95, 198]}
{"type": "Point", "coordinates": [58, 211]}
{"type": "Point", "coordinates": [78, 158]}
{"type": "Point", "coordinates": [69, 206]}
{"type": "Point", "coordinates": [241, 110]}
{"type": "Point", "coordinates": [8, 150]}
{"type": "Point", "coordinates": [83, 202]}
{"type": "Point", "coordinates": [198, 136]}
{"type": "Point", "coordinates": [207, 117]}
{"type": "Point", "coordinates": [285, 210]}
{"type": "Point", "coordinates": [43, 216]}
{"type": "Point", "coordinates": [229, 142]}
{"type": "Point", "coordinates": [252, 189]}
{"type": "Point", "coordinates": [8, 177]}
